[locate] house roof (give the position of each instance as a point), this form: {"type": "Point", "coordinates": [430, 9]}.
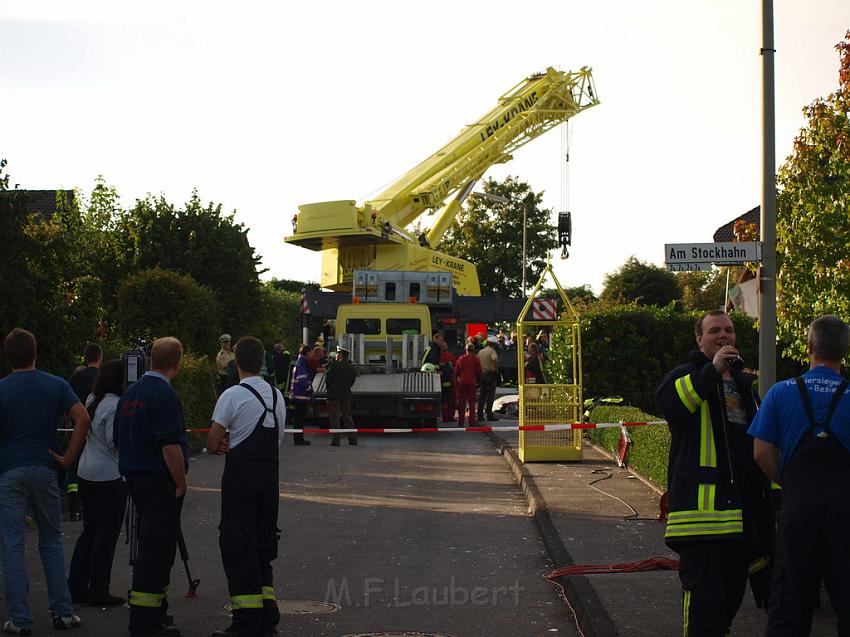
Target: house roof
{"type": "Point", "coordinates": [726, 232]}
{"type": "Point", "coordinates": [37, 201]}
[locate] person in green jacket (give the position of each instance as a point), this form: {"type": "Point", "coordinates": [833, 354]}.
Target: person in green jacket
{"type": "Point", "coordinates": [339, 379]}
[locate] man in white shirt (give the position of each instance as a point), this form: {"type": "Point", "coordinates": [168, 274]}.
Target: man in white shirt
{"type": "Point", "coordinates": [248, 426]}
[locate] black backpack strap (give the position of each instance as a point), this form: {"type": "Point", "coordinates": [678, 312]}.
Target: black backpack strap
{"type": "Point", "coordinates": [807, 404]}
{"type": "Point", "coordinates": [273, 410]}
{"type": "Point", "coordinates": [839, 394]}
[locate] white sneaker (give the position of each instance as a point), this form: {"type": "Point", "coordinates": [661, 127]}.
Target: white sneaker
{"type": "Point", "coordinates": [11, 629]}
{"type": "Point", "coordinates": [64, 623]}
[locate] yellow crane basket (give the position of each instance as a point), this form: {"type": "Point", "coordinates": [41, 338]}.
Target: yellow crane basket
{"type": "Point", "coordinates": [550, 403]}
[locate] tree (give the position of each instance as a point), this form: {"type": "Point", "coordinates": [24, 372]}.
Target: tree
{"type": "Point", "coordinates": [489, 234]}
{"type": "Point", "coordinates": [4, 179]}
{"type": "Point", "coordinates": [44, 285]}
{"type": "Point", "coordinates": [703, 290]}
{"type": "Point", "coordinates": [279, 316]}
{"type": "Point", "coordinates": [290, 285]}
{"type": "Point", "coordinates": [157, 302]}
{"type": "Point", "coordinates": [201, 242]}
{"type": "Point", "coordinates": [639, 283]}
{"type": "Point", "coordinates": [106, 255]}
{"type": "Point", "coordinates": [813, 216]}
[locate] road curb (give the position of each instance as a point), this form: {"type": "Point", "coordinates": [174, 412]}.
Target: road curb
{"type": "Point", "coordinates": [592, 618]}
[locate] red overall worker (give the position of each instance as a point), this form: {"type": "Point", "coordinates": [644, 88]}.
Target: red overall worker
{"type": "Point", "coordinates": [467, 373]}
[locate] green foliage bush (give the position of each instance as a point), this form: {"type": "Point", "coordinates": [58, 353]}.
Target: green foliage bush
{"type": "Point", "coordinates": [641, 283]}
{"type": "Point", "coordinates": [279, 318]}
{"type": "Point", "coordinates": [651, 444]}
{"type": "Point", "coordinates": [196, 385]}
{"type": "Point", "coordinates": [626, 350]}
{"type": "Point", "coordinates": [158, 302]}
{"type": "Point", "coordinates": [43, 286]}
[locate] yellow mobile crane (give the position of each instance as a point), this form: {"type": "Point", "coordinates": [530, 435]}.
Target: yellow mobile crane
{"type": "Point", "coordinates": [373, 236]}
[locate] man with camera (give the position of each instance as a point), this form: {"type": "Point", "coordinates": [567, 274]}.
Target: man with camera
{"type": "Point", "coordinates": [153, 457]}
{"type": "Point", "coordinates": [719, 522]}
{"type": "Point", "coordinates": [807, 421]}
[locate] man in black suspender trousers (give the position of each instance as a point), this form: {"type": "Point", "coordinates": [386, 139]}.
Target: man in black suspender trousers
{"type": "Point", "coordinates": [153, 457]}
{"type": "Point", "coordinates": [807, 421]}
{"type": "Point", "coordinates": [247, 427]}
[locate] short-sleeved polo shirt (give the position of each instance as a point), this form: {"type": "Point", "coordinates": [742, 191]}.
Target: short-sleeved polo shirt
{"type": "Point", "coordinates": [781, 420]}
{"type": "Point", "coordinates": [32, 404]}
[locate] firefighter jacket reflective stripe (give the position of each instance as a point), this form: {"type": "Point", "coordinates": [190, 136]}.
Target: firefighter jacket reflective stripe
{"type": "Point", "coordinates": [705, 498]}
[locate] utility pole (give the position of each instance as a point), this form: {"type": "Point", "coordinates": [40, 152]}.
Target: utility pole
{"type": "Point", "coordinates": [767, 272]}
{"type": "Point", "coordinates": [525, 206]}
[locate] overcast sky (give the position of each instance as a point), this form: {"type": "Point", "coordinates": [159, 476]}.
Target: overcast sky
{"type": "Point", "coordinates": [265, 106]}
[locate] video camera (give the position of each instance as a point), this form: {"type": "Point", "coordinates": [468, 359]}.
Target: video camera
{"type": "Point", "coordinates": [136, 360]}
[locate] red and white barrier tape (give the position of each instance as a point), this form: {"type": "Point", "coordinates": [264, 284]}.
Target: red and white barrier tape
{"type": "Point", "coordinates": [407, 430]}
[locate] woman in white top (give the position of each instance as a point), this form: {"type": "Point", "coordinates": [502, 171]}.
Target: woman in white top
{"type": "Point", "coordinates": [103, 495]}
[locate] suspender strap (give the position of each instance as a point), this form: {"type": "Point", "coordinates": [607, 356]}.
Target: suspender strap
{"type": "Point", "coordinates": [273, 410]}
{"type": "Point", "coordinates": [807, 404]}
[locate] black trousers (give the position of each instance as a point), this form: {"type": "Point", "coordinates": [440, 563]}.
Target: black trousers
{"type": "Point", "coordinates": [487, 394]}
{"type": "Point", "coordinates": [714, 577]}
{"type": "Point", "coordinates": [300, 416]}
{"type": "Point", "coordinates": [248, 537]}
{"type": "Point", "coordinates": [91, 564]}
{"type": "Point", "coordinates": [158, 514]}
{"type": "Point", "coordinates": [811, 545]}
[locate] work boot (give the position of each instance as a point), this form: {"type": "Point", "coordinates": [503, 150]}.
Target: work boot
{"type": "Point", "coordinates": [105, 599]}
{"type": "Point", "coordinates": [160, 631]}
{"type": "Point", "coordinates": [247, 622]}
{"type": "Point", "coordinates": [151, 621]}
{"type": "Point", "coordinates": [271, 617]}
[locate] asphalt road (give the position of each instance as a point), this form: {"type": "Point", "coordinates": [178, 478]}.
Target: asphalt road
{"type": "Point", "coordinates": [422, 533]}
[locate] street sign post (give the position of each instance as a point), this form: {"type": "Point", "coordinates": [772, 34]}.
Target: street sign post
{"type": "Point", "coordinates": [718, 253]}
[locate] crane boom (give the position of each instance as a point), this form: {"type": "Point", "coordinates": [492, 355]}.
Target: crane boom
{"type": "Point", "coordinates": [373, 236]}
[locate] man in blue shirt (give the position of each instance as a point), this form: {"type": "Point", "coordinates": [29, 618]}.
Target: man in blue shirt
{"type": "Point", "coordinates": [153, 456]}
{"type": "Point", "coordinates": [802, 441]}
{"type": "Point", "coordinates": [32, 403]}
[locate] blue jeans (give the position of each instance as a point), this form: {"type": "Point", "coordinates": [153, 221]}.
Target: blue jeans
{"type": "Point", "coordinates": [38, 488]}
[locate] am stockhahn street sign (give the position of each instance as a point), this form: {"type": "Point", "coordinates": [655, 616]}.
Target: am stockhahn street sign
{"type": "Point", "coordinates": [694, 257]}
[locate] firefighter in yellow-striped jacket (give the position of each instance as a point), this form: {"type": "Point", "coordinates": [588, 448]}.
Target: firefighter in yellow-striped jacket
{"type": "Point", "coordinates": [719, 521]}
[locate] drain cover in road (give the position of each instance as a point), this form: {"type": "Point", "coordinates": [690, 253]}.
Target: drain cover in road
{"type": "Point", "coordinates": [305, 607]}
{"type": "Point", "coordinates": [301, 607]}
{"type": "Point", "coordinates": [397, 634]}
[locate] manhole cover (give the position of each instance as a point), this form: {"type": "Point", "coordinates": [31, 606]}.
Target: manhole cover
{"type": "Point", "coordinates": [305, 607]}
{"type": "Point", "coordinates": [301, 607]}
{"type": "Point", "coordinates": [397, 634]}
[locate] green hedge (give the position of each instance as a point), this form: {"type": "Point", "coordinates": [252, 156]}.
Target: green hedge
{"type": "Point", "coordinates": [651, 445]}
{"type": "Point", "coordinates": [626, 350]}
{"type": "Point", "coordinates": [196, 385]}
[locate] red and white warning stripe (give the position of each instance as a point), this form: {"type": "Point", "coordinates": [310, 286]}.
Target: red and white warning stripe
{"type": "Point", "coordinates": [544, 309]}
{"type": "Point", "coordinates": [407, 430]}
{"type": "Point", "coordinates": [564, 427]}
